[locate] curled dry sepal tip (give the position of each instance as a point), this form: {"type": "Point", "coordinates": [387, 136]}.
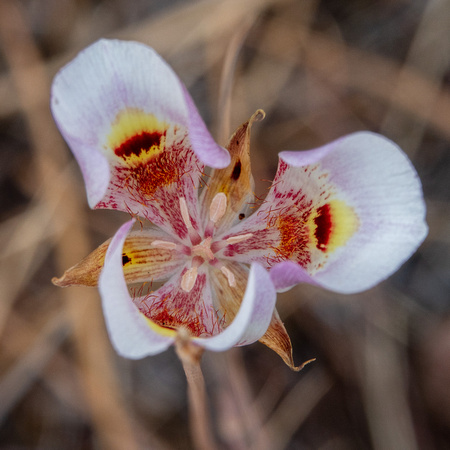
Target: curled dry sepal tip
{"type": "Point", "coordinates": [343, 216]}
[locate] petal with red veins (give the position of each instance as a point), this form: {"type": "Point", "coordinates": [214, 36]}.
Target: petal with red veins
{"type": "Point", "coordinates": [135, 132]}
{"type": "Point", "coordinates": [254, 315]}
{"type": "Point", "coordinates": [173, 308]}
{"type": "Point", "coordinates": [349, 213]}
{"type": "Point", "coordinates": [131, 333]}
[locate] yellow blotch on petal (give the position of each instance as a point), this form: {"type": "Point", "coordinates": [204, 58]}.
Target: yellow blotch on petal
{"type": "Point", "coordinates": [163, 331]}
{"type": "Point", "coordinates": [332, 225]}
{"type": "Point", "coordinates": [136, 135]}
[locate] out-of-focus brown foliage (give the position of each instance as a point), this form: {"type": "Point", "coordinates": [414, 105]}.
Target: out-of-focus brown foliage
{"type": "Point", "coordinates": [319, 69]}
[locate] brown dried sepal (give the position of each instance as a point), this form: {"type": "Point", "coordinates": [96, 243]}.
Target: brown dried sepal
{"type": "Point", "coordinates": [140, 260]}
{"type": "Point", "coordinates": [87, 271]}
{"type": "Point", "coordinates": [236, 180]}
{"type": "Point", "coordinates": [278, 340]}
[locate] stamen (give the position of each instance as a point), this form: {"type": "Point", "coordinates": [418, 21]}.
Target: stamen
{"type": "Point", "coordinates": [230, 276]}
{"type": "Point", "coordinates": [219, 245]}
{"type": "Point", "coordinates": [240, 238]}
{"type": "Point", "coordinates": [193, 235]}
{"type": "Point", "coordinates": [166, 245]}
{"type": "Point", "coordinates": [185, 213]}
{"type": "Point", "coordinates": [188, 279]}
{"type": "Point", "coordinates": [218, 207]}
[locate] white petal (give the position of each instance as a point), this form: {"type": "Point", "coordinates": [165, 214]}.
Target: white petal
{"type": "Point", "coordinates": [117, 93]}
{"type": "Point", "coordinates": [376, 179]}
{"type": "Point", "coordinates": [128, 329]}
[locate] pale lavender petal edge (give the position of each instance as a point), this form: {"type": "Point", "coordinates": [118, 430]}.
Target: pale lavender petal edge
{"type": "Point", "coordinates": [287, 274]}
{"type": "Point", "coordinates": [365, 261]}
{"type": "Point", "coordinates": [95, 170]}
{"type": "Point", "coordinates": [130, 335]}
{"type": "Point", "coordinates": [208, 151]}
{"type": "Point", "coordinates": [85, 123]}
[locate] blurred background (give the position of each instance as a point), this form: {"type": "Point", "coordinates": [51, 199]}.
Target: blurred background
{"type": "Point", "coordinates": [320, 69]}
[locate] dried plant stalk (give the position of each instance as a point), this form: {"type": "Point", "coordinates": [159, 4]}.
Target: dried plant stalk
{"type": "Point", "coordinates": [200, 423]}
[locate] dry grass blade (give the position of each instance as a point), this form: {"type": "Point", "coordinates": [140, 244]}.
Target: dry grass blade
{"type": "Point", "coordinates": [294, 409]}
{"type": "Point", "coordinates": [384, 381]}
{"type": "Point", "coordinates": [430, 54]}
{"type": "Point", "coordinates": [377, 76]}
{"type": "Point", "coordinates": [194, 23]}
{"type": "Point", "coordinates": [29, 366]}
{"type": "Point", "coordinates": [227, 77]}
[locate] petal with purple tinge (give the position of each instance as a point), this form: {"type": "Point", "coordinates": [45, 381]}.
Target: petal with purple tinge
{"type": "Point", "coordinates": [210, 153]}
{"type": "Point", "coordinates": [349, 213]}
{"type": "Point", "coordinates": [130, 332]}
{"type": "Point", "coordinates": [254, 316]}
{"type": "Point", "coordinates": [229, 300]}
{"type": "Point", "coordinates": [374, 218]}
{"type": "Point", "coordinates": [127, 118]}
{"type": "Point", "coordinates": [287, 274]}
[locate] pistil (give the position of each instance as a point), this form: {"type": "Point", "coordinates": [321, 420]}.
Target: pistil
{"type": "Point", "coordinates": [204, 249]}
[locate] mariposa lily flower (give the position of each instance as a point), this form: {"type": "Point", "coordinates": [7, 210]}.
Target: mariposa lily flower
{"type": "Point", "coordinates": [343, 216]}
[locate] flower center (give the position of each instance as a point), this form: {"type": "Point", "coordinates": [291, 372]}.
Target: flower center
{"type": "Point", "coordinates": [204, 249]}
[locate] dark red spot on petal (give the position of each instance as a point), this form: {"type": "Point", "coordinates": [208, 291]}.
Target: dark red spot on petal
{"type": "Point", "coordinates": [139, 143]}
{"type": "Point", "coordinates": [323, 227]}
{"type": "Point", "coordinates": [125, 259]}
